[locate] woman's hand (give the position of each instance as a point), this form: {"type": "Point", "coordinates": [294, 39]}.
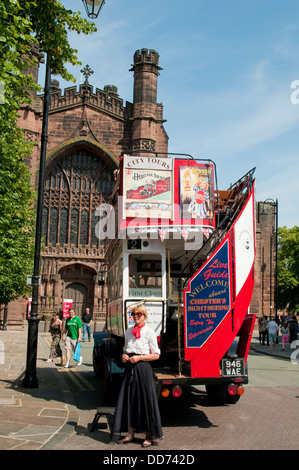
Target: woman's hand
{"type": "Point", "coordinates": [134, 359]}
{"type": "Point", "coordinates": [125, 357]}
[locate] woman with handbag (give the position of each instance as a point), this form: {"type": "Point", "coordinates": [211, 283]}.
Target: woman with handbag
{"type": "Point", "coordinates": [56, 333]}
{"type": "Point", "coordinates": [137, 405]}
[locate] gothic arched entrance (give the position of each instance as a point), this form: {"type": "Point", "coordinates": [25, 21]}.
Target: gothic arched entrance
{"type": "Point", "coordinates": [78, 293]}
{"type": "Point", "coordinates": [79, 282]}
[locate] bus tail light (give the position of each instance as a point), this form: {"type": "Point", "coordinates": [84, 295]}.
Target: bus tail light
{"type": "Point", "coordinates": [232, 389]}
{"type": "Point", "coordinates": [177, 391]}
{"type": "Point", "coordinates": [165, 392]}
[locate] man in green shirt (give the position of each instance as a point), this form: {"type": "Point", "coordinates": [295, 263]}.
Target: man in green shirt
{"type": "Point", "coordinates": [72, 335]}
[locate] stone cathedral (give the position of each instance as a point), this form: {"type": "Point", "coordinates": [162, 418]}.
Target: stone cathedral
{"type": "Point", "coordinates": [88, 131]}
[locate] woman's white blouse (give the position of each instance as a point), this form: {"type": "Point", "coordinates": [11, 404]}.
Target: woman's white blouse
{"type": "Point", "coordinates": [146, 344]}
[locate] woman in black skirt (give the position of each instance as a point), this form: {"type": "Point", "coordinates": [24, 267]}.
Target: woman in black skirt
{"type": "Point", "coordinates": [137, 405]}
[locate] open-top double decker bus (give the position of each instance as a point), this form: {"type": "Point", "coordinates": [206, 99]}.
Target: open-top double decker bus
{"type": "Point", "coordinates": [185, 249]}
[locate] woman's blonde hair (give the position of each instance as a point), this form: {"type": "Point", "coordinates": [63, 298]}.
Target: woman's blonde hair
{"type": "Point", "coordinates": [140, 308]}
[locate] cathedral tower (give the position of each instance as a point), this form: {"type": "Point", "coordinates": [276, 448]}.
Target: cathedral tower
{"type": "Point", "coordinates": [147, 127]}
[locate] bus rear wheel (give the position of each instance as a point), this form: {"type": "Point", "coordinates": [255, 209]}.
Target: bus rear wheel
{"type": "Point", "coordinates": [218, 395]}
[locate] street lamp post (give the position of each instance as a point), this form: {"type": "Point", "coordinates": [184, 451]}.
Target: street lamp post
{"type": "Point", "coordinates": [30, 379]}
{"type": "Point", "coordinates": [93, 7]}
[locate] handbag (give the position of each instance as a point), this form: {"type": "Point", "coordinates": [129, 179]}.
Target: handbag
{"type": "Point", "coordinates": [77, 352]}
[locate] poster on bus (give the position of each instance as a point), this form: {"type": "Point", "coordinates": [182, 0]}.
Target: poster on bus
{"type": "Point", "coordinates": [169, 195]}
{"type": "Point", "coordinates": [147, 187]}
{"type": "Point", "coordinates": [196, 192]}
{"type": "Point", "coordinates": [207, 299]}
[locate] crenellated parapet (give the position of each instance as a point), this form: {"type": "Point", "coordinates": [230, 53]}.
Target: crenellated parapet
{"type": "Point", "coordinates": [145, 57]}
{"type": "Point", "coordinates": [106, 100]}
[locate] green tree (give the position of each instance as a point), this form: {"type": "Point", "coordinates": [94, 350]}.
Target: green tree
{"type": "Point", "coordinates": [23, 22]}
{"type": "Point", "coordinates": [16, 215]}
{"type": "Point", "coordinates": [288, 269]}
{"type": "Point", "coordinates": [45, 22]}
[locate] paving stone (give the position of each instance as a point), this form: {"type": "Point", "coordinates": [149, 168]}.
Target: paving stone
{"type": "Point", "coordinates": [9, 427]}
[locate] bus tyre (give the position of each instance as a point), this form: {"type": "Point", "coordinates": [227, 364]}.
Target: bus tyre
{"type": "Point", "coordinates": [218, 395]}
{"type": "Point", "coordinates": [232, 399]}
{"type": "Point", "coordinates": [97, 364]}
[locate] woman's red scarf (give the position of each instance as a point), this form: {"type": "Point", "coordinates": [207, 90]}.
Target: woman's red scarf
{"type": "Point", "coordinates": [136, 331]}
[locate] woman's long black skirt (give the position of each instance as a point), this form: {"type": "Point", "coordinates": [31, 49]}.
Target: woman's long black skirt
{"type": "Point", "coordinates": [137, 403]}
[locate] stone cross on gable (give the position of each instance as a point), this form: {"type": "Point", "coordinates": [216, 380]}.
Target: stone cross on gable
{"type": "Point", "coordinates": [86, 72]}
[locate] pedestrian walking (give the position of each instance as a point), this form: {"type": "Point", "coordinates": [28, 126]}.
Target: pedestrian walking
{"type": "Point", "coordinates": [56, 334]}
{"type": "Point", "coordinates": [284, 335]}
{"type": "Point", "coordinates": [72, 335]}
{"type": "Point", "coordinates": [260, 327]}
{"type": "Point", "coordinates": [137, 404]}
{"type": "Point", "coordinates": [87, 320]}
{"type": "Point", "coordinates": [272, 328]}
{"type": "Point", "coordinates": [277, 320]}
{"type": "Point", "coordinates": [265, 333]}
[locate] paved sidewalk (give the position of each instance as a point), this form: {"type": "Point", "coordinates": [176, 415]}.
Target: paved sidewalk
{"type": "Point", "coordinates": [42, 418]}
{"type": "Point", "coordinates": [32, 419]}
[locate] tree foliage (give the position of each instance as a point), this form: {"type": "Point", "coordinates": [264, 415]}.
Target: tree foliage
{"type": "Point", "coordinates": [51, 24]}
{"type": "Point", "coordinates": [16, 215]}
{"type": "Point", "coordinates": [23, 22]}
{"type": "Point", "coordinates": [288, 269]}
{"type": "Point", "coordinates": [45, 22]}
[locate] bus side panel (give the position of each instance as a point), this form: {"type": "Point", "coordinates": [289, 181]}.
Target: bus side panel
{"type": "Point", "coordinates": [115, 318]}
{"type": "Point", "coordinates": [216, 330]}
{"type": "Point", "coordinates": [245, 336]}
{"type": "Point", "coordinates": [206, 360]}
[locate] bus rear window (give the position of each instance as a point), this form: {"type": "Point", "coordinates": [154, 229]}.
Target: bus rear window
{"type": "Point", "coordinates": [145, 274]}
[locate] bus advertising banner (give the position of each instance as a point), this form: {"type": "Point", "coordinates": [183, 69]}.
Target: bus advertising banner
{"type": "Point", "coordinates": [166, 193]}
{"type": "Point", "coordinates": [196, 192]}
{"type": "Point", "coordinates": [207, 299]}
{"type": "Point", "coordinates": [147, 187]}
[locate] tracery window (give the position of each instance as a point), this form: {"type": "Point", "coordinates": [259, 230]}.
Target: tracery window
{"type": "Point", "coordinates": [75, 186]}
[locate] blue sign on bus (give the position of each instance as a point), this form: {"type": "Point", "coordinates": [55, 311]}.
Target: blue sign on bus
{"type": "Point", "coordinates": [207, 298]}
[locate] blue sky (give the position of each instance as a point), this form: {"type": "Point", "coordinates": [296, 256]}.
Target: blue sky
{"type": "Point", "coordinates": [225, 86]}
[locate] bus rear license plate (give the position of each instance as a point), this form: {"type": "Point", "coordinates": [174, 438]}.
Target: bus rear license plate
{"type": "Point", "coordinates": [233, 367]}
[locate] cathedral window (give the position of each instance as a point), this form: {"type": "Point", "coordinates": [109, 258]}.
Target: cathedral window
{"type": "Point", "coordinates": [76, 184]}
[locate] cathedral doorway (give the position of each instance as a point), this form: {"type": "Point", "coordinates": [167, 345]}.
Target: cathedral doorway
{"type": "Point", "coordinates": [78, 293]}
{"type": "Point", "coordinates": [78, 284]}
